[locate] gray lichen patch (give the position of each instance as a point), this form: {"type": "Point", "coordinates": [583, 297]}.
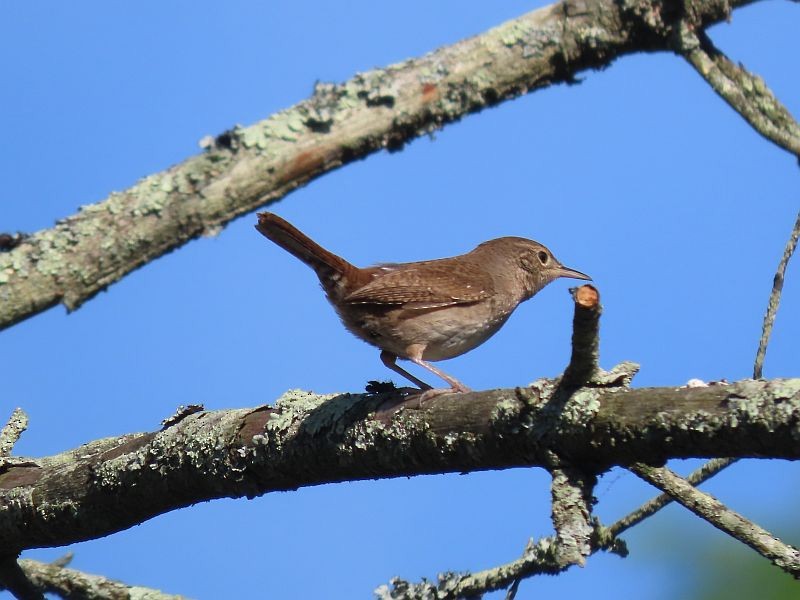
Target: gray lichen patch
{"type": "Point", "coordinates": [301, 400]}
{"type": "Point", "coordinates": [582, 407]}
{"type": "Point", "coordinates": [513, 33]}
{"type": "Point", "coordinates": [6, 273]}
{"type": "Point", "coordinates": [505, 411]}
{"type": "Point", "coordinates": [376, 88]}
{"type": "Point", "coordinates": [364, 434]}
{"type": "Point", "coordinates": [701, 421]}
{"type": "Point", "coordinates": [750, 398]}
{"type": "Point", "coordinates": [198, 444]}
{"type": "Point", "coordinates": [315, 411]}
{"type": "Point", "coordinates": [619, 375]}
{"type": "Point", "coordinates": [286, 126]}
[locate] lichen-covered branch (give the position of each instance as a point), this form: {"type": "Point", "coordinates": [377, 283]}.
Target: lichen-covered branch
{"type": "Point", "coordinates": [248, 167]}
{"type": "Point", "coordinates": [111, 484]}
{"type": "Point", "coordinates": [17, 423]}
{"type": "Point", "coordinates": [69, 583]}
{"type": "Point", "coordinates": [720, 516]}
{"type": "Point", "coordinates": [746, 93]}
{"type": "Point", "coordinates": [572, 488]}
{"type": "Point", "coordinates": [651, 507]}
{"type": "Point", "coordinates": [577, 537]}
{"type": "Point", "coordinates": [543, 557]}
{"type": "Point", "coordinates": [14, 579]}
{"type": "Point", "coordinates": [584, 361]}
{"type": "Point", "coordinates": [716, 465]}
{"type": "Point", "coordinates": [540, 558]}
{"type": "Point", "coordinates": [775, 299]}
{"type": "Point", "coordinates": [571, 492]}
{"type": "Point", "coordinates": [575, 540]}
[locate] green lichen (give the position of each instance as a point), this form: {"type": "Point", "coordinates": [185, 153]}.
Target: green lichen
{"type": "Point", "coordinates": [364, 434]}
{"type": "Point", "coordinates": [513, 33]}
{"type": "Point", "coordinates": [256, 136]}
{"type": "Point", "coordinates": [701, 422]}
{"type": "Point", "coordinates": [285, 126]}
{"type": "Point", "coordinates": [295, 405]}
{"type": "Point", "coordinates": [115, 203]}
{"type": "Point", "coordinates": [787, 389]}
{"type": "Point", "coordinates": [582, 406]}
{"type": "Point", "coordinates": [506, 415]}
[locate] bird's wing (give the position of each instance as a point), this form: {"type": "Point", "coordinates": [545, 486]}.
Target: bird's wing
{"type": "Point", "coordinates": [424, 285]}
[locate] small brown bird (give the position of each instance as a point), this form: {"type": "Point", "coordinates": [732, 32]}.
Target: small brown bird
{"type": "Point", "coordinates": [430, 310]}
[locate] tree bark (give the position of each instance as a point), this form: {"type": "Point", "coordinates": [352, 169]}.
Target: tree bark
{"type": "Point", "coordinates": [111, 484]}
{"type": "Point", "coordinates": [248, 167]}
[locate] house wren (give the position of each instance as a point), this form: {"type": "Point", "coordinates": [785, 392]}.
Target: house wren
{"type": "Point", "coordinates": [430, 310]}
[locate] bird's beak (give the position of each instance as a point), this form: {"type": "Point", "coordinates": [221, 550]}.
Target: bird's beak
{"type": "Point", "coordinates": [567, 272]}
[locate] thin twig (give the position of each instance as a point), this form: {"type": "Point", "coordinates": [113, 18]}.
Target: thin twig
{"type": "Point", "coordinates": [720, 516]}
{"type": "Point", "coordinates": [716, 465]}
{"type": "Point", "coordinates": [649, 508]}
{"type": "Point", "coordinates": [512, 590]}
{"type": "Point", "coordinates": [17, 423]}
{"type": "Point", "coordinates": [775, 299]}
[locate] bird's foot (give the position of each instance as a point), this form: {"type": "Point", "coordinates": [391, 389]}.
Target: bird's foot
{"type": "Point", "coordinates": [427, 395]}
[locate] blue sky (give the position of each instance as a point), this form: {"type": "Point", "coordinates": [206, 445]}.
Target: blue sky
{"type": "Point", "coordinates": [639, 176]}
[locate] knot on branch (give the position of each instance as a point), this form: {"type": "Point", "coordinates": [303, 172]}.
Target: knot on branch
{"type": "Point", "coordinates": [661, 22]}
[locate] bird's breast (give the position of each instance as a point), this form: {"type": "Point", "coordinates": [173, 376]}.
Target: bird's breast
{"type": "Point", "coordinates": [444, 332]}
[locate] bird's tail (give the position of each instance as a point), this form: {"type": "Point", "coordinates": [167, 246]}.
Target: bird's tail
{"type": "Point", "coordinates": [326, 264]}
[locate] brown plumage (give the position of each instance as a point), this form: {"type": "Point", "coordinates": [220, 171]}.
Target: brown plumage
{"type": "Point", "coordinates": [430, 310]}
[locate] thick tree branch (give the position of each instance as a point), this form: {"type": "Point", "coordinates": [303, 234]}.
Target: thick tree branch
{"type": "Point", "coordinates": [712, 510]}
{"type": "Point", "coordinates": [248, 167]}
{"type": "Point", "coordinates": [108, 485]}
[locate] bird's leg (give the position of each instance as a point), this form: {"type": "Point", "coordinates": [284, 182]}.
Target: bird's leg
{"type": "Point", "coordinates": [414, 353]}
{"type": "Point", "coordinates": [389, 359]}
{"type": "Point", "coordinates": [415, 356]}
{"type": "Point", "coordinates": [455, 384]}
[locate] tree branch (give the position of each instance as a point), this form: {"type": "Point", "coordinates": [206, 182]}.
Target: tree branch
{"type": "Point", "coordinates": [76, 585]}
{"type": "Point", "coordinates": [775, 299]}
{"type": "Point", "coordinates": [746, 93]}
{"type": "Point", "coordinates": [16, 581]}
{"type": "Point", "coordinates": [111, 484]}
{"type": "Point", "coordinates": [584, 362]}
{"type": "Point", "coordinates": [248, 167]}
{"type": "Point", "coordinates": [17, 423]}
{"type": "Point", "coordinates": [571, 492]}
{"type": "Point", "coordinates": [543, 557]}
{"type": "Point", "coordinates": [713, 467]}
{"type": "Point", "coordinates": [651, 507]}
{"type": "Point", "coordinates": [720, 516]}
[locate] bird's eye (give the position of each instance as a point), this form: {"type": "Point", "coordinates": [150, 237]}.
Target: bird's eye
{"type": "Point", "coordinates": [543, 257]}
